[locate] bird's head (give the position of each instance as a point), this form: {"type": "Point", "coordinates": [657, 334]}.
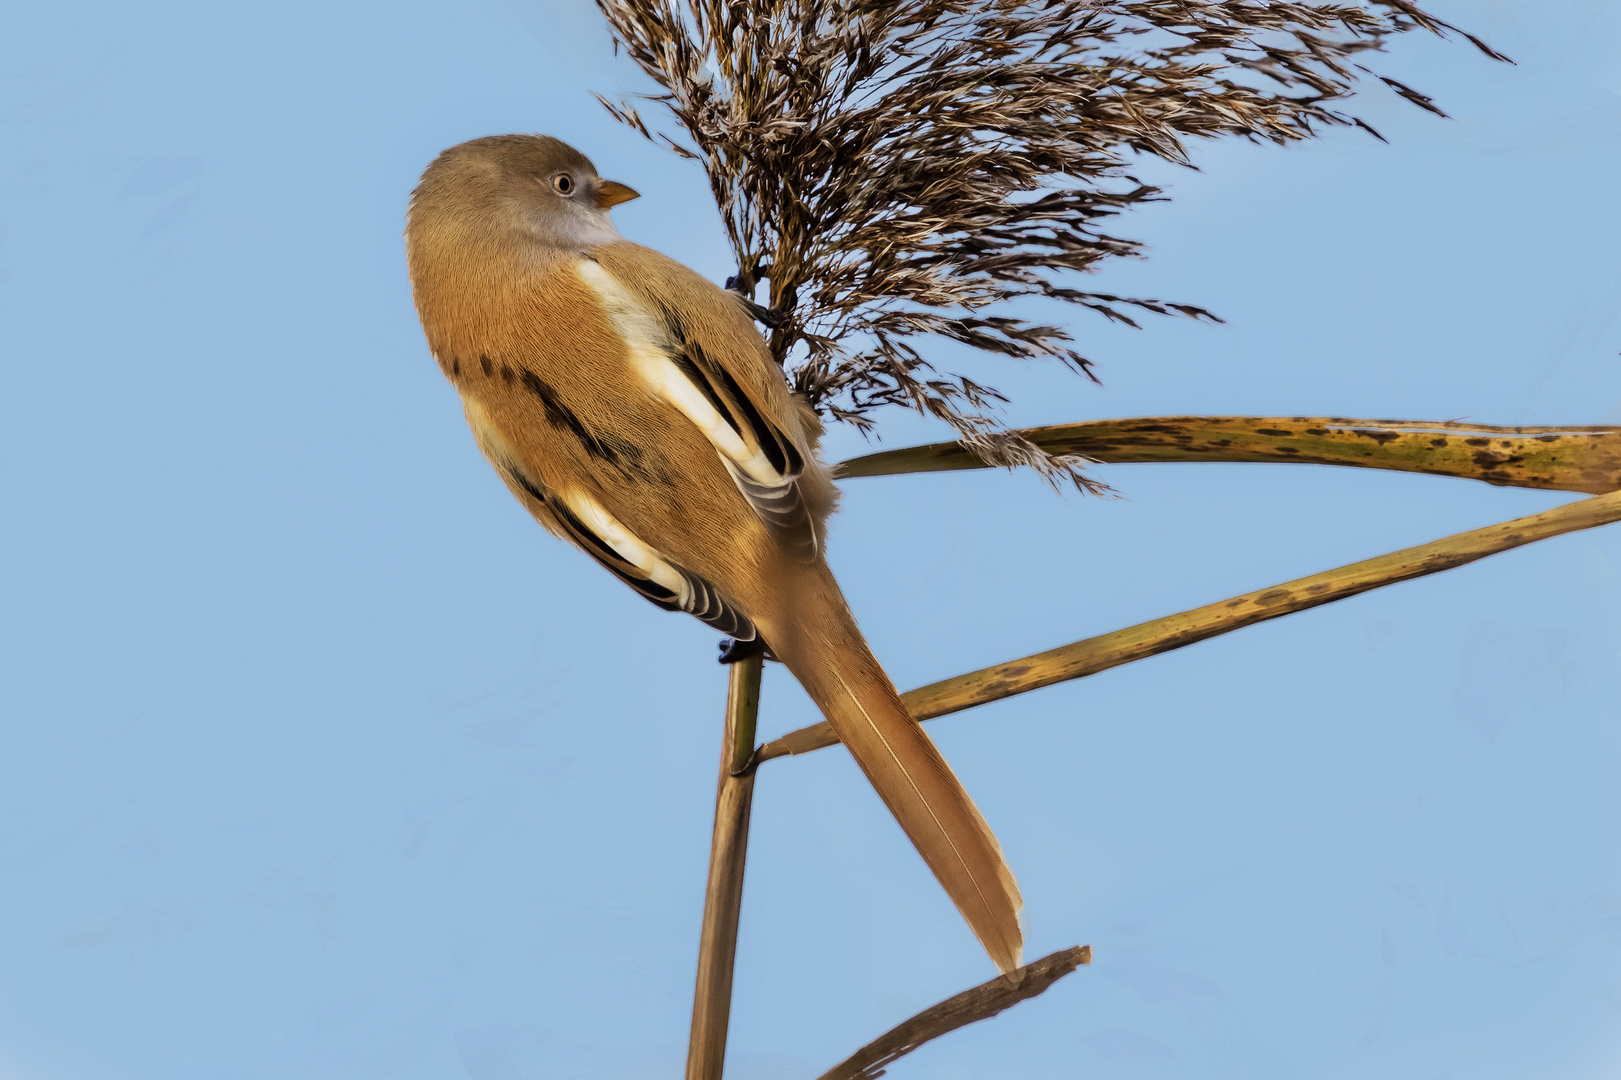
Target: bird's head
{"type": "Point", "coordinates": [536, 183]}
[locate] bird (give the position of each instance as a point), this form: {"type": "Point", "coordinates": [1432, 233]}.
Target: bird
{"type": "Point", "coordinates": [634, 409]}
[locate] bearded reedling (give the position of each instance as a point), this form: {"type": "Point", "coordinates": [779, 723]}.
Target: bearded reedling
{"type": "Point", "coordinates": [633, 408]}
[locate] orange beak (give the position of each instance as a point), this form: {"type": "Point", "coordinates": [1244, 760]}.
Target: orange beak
{"type": "Point", "coordinates": [611, 193]}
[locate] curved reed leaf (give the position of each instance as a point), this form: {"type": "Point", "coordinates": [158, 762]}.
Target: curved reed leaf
{"type": "Point", "coordinates": [1561, 458]}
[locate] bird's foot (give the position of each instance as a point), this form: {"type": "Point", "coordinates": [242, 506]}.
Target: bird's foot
{"type": "Point", "coordinates": [732, 650]}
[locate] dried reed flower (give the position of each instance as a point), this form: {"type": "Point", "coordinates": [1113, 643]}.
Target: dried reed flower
{"type": "Point", "coordinates": [897, 169]}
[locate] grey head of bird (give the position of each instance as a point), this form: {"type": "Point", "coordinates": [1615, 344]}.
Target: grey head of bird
{"type": "Point", "coordinates": [532, 183]}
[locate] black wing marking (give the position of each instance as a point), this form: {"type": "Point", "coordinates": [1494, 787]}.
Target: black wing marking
{"type": "Point", "coordinates": [707, 605]}
{"type": "Point", "coordinates": [699, 598]}
{"type": "Point", "coordinates": [778, 501]}
{"type": "Point", "coordinates": [782, 508]}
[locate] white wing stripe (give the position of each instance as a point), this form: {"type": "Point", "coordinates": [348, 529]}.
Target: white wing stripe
{"type": "Point", "coordinates": [643, 339]}
{"type": "Point", "coordinates": [627, 545]}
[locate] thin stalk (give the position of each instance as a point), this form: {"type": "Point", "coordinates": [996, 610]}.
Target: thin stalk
{"type": "Point", "coordinates": [723, 896]}
{"type": "Point", "coordinates": [1092, 655]}
{"type": "Point", "coordinates": [1562, 458]}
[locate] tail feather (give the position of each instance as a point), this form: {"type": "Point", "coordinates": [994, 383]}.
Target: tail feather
{"type": "Point", "coordinates": [826, 652]}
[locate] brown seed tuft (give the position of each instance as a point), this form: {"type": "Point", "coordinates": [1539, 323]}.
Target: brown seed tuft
{"type": "Point", "coordinates": [899, 170]}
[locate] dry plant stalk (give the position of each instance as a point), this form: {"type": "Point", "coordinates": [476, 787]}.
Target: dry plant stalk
{"type": "Point", "coordinates": [1586, 459]}
{"type": "Point", "coordinates": [979, 1003]}
{"type": "Point", "coordinates": [1092, 655]}
{"type": "Point", "coordinates": [723, 895]}
{"type": "Point", "coordinates": [899, 170]}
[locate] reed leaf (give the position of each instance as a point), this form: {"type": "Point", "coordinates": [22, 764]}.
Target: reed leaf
{"type": "Point", "coordinates": [1092, 655]}
{"type": "Point", "coordinates": [1586, 459]}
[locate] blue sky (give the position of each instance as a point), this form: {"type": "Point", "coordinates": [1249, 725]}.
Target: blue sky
{"type": "Point", "coordinates": [321, 760]}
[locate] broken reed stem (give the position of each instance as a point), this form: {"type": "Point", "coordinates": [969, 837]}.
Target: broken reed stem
{"type": "Point", "coordinates": [1092, 655]}
{"type": "Point", "coordinates": [1562, 458]}
{"type": "Point", "coordinates": [980, 1003]}
{"type": "Point", "coordinates": [723, 896]}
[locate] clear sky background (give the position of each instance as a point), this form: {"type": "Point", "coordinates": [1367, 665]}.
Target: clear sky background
{"type": "Point", "coordinates": [321, 760]}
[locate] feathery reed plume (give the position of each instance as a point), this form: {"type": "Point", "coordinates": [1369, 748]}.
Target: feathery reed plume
{"type": "Point", "coordinates": [896, 169]}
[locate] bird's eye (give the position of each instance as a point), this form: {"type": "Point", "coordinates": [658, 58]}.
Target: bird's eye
{"type": "Point", "coordinates": [563, 184]}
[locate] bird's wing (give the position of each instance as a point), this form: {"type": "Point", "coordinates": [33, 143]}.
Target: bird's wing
{"type": "Point", "coordinates": [696, 346]}
{"type": "Point", "coordinates": [579, 517]}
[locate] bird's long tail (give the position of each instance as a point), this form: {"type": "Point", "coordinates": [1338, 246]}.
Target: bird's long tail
{"type": "Point", "coordinates": [819, 642]}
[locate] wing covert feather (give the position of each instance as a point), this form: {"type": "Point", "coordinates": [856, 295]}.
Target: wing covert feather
{"type": "Point", "coordinates": [706, 336]}
{"type": "Point", "coordinates": [578, 517]}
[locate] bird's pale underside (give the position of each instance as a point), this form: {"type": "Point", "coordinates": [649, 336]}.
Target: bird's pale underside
{"type": "Point", "coordinates": [633, 408]}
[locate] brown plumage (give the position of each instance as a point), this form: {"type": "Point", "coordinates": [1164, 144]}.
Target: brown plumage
{"type": "Point", "coordinates": [634, 409]}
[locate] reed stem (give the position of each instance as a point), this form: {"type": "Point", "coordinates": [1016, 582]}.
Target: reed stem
{"type": "Point", "coordinates": [723, 896]}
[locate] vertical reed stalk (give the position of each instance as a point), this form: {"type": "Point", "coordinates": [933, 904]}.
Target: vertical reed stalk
{"type": "Point", "coordinates": [723, 898]}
